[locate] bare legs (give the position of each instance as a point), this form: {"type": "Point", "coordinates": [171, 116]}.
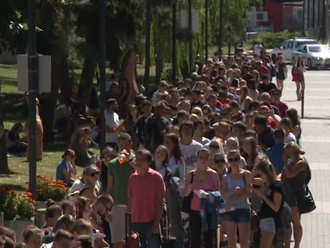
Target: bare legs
{"type": "Point", "coordinates": [297, 228]}
{"type": "Point", "coordinates": [280, 84]}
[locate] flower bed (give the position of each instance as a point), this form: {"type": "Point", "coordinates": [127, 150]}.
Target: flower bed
{"type": "Point", "coordinates": [48, 188]}
{"type": "Point", "coordinates": [15, 205]}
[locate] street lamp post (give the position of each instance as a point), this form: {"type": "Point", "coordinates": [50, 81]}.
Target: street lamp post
{"type": "Point", "coordinates": [147, 43]}
{"type": "Point", "coordinates": [206, 30]}
{"type": "Point", "coordinates": [174, 63]}
{"type": "Point", "coordinates": [33, 93]}
{"type": "Point", "coordinates": [191, 62]}
{"type": "Point", "coordinates": [102, 65]}
{"type": "Point", "coordinates": [221, 27]}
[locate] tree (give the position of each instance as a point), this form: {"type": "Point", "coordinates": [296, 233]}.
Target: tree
{"type": "Point", "coordinates": [3, 150]}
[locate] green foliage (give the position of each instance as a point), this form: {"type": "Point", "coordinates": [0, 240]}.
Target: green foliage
{"type": "Point", "coordinates": [272, 40]}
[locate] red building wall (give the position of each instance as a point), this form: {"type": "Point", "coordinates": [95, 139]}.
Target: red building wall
{"type": "Point", "coordinates": [280, 15]}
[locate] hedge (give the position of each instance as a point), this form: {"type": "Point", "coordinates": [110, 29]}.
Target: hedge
{"type": "Point", "coordinates": [272, 40]}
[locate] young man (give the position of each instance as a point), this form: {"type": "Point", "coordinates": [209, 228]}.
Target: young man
{"type": "Point", "coordinates": [146, 190]}
{"type": "Point", "coordinates": [188, 145]}
{"type": "Point", "coordinates": [111, 123]}
{"type": "Point", "coordinates": [276, 101]}
{"type": "Point", "coordinates": [275, 153]}
{"type": "Point", "coordinates": [118, 175]}
{"type": "Point", "coordinates": [146, 108]}
{"type": "Point", "coordinates": [265, 133]}
{"type": "Point", "coordinates": [199, 132]}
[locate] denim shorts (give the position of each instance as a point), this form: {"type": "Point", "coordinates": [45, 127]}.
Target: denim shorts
{"type": "Point", "coordinates": [240, 215]}
{"type": "Point", "coordinates": [268, 224]}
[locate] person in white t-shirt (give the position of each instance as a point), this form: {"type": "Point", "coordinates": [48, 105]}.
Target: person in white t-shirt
{"type": "Point", "coordinates": [286, 125]}
{"type": "Point", "coordinates": [257, 49]}
{"type": "Point", "coordinates": [112, 79]}
{"type": "Point", "coordinates": [112, 123]}
{"type": "Point", "coordinates": [162, 89]}
{"type": "Point", "coordinates": [188, 145]}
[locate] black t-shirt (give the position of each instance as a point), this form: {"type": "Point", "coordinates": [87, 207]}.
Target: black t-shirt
{"type": "Point", "coordinates": [247, 77]}
{"type": "Point", "coordinates": [266, 87]}
{"type": "Point", "coordinates": [265, 210]}
{"type": "Point", "coordinates": [266, 138]}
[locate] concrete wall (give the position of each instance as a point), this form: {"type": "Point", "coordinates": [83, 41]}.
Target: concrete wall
{"type": "Point", "coordinates": [7, 58]}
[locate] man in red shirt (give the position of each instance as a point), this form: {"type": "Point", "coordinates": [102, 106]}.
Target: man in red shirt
{"type": "Point", "coordinates": [263, 70]}
{"type": "Point", "coordinates": [276, 96]}
{"type": "Point", "coordinates": [146, 190]}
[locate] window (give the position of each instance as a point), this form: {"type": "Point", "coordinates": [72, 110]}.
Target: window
{"type": "Point", "coordinates": [290, 44]}
{"type": "Point", "coordinates": [283, 44]}
{"type": "Point", "coordinates": [316, 49]}
{"type": "Point", "coordinates": [298, 43]}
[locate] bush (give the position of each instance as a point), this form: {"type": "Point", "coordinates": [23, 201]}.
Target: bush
{"type": "Point", "coordinates": [16, 206]}
{"type": "Point", "coordinates": [48, 188]}
{"type": "Point", "coordinates": [272, 40]}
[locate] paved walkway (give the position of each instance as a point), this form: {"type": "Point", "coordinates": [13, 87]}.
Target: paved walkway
{"type": "Point", "coordinates": [316, 143]}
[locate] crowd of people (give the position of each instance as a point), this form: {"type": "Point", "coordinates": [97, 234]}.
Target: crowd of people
{"type": "Point", "coordinates": [223, 136]}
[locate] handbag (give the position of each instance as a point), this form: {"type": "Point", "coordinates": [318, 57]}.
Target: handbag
{"type": "Point", "coordinates": [187, 199]}
{"type": "Point", "coordinates": [307, 203]}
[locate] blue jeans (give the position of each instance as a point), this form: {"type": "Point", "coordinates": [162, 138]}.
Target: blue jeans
{"type": "Point", "coordinates": [147, 239]}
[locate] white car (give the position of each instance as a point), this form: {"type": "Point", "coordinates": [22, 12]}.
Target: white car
{"type": "Point", "coordinates": [315, 56]}
{"type": "Point", "coordinates": [288, 46]}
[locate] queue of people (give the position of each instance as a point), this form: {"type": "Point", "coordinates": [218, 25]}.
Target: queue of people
{"type": "Point", "coordinates": [223, 136]}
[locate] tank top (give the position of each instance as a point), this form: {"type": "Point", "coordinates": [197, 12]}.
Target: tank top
{"type": "Point", "coordinates": [207, 185]}
{"type": "Point", "coordinates": [232, 184]}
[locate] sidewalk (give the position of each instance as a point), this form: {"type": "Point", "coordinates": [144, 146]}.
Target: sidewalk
{"type": "Point", "coordinates": [316, 144]}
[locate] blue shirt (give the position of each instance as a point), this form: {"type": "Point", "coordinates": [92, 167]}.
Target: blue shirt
{"type": "Point", "coordinates": [59, 170]}
{"type": "Point", "coordinates": [275, 156]}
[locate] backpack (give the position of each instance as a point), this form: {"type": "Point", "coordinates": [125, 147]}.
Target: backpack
{"type": "Point", "coordinates": [272, 71]}
{"type": "Point", "coordinates": [308, 175]}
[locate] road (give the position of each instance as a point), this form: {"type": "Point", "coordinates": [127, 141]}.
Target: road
{"type": "Point", "coordinates": [315, 142]}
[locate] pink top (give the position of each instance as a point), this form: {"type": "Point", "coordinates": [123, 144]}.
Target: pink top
{"type": "Point", "coordinates": [208, 185]}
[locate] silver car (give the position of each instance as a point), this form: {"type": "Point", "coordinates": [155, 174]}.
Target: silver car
{"type": "Point", "coordinates": [315, 56]}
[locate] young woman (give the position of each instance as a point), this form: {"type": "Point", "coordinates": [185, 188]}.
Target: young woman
{"type": "Point", "coordinates": [272, 202]}
{"type": "Point", "coordinates": [53, 212]}
{"type": "Point", "coordinates": [253, 92]}
{"type": "Point", "coordinates": [294, 182]}
{"type": "Point", "coordinates": [236, 189]}
{"type": "Point", "coordinates": [250, 154]}
{"type": "Point", "coordinates": [78, 145]}
{"type": "Point", "coordinates": [286, 125]}
{"type": "Point", "coordinates": [32, 236]}
{"type": "Point", "coordinates": [298, 77]}
{"type": "Point", "coordinates": [292, 114]}
{"type": "Point", "coordinates": [160, 163]}
{"type": "Point", "coordinates": [107, 155]}
{"type": "Point", "coordinates": [202, 178]}
{"type": "Point", "coordinates": [215, 146]}
{"type": "Point", "coordinates": [176, 162]}
{"type": "Point", "coordinates": [66, 170]}
{"type": "Point", "coordinates": [245, 98]}
{"type": "Point", "coordinates": [281, 72]}
{"type": "Point", "coordinates": [83, 206]}
{"type": "Point", "coordinates": [68, 206]}
{"type": "Point", "coordinates": [91, 189]}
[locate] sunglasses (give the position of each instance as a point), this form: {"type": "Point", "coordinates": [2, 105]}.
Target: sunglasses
{"type": "Point", "coordinates": [214, 146]}
{"type": "Point", "coordinates": [231, 160]}
{"type": "Point", "coordinates": [219, 161]}
{"type": "Point", "coordinates": [93, 174]}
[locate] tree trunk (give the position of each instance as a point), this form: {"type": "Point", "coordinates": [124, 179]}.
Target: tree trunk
{"type": "Point", "coordinates": [128, 92]}
{"type": "Point", "coordinates": [3, 150]}
{"type": "Point", "coordinates": [87, 75]}
{"type": "Point", "coordinates": [60, 77]}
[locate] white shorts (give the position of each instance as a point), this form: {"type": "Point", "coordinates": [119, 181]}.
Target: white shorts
{"type": "Point", "coordinates": [117, 224]}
